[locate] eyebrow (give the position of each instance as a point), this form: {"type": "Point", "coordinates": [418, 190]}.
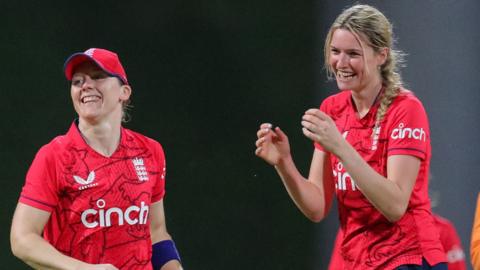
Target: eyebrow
{"type": "Point", "coordinates": [348, 50]}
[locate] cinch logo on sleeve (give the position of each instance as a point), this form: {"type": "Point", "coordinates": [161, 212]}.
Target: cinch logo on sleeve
{"type": "Point", "coordinates": [405, 132]}
{"type": "Point", "coordinates": [92, 218]}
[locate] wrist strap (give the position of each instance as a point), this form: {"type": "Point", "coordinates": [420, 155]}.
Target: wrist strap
{"type": "Point", "coordinates": [163, 252]}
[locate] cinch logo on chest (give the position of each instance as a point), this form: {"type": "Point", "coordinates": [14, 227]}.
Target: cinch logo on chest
{"type": "Point", "coordinates": [343, 178]}
{"type": "Point", "coordinates": [140, 169]}
{"type": "Point", "coordinates": [88, 183]}
{"type": "Point", "coordinates": [92, 218]}
{"type": "Point", "coordinates": [404, 132]}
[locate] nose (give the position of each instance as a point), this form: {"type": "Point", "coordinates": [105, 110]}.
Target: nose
{"type": "Point", "coordinates": [342, 60]}
{"type": "Point", "coordinates": [87, 82]}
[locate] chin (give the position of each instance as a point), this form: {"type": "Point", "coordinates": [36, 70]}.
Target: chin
{"type": "Point", "coordinates": [89, 117]}
{"type": "Point", "coordinates": [347, 86]}
{"type": "Point", "coordinates": [343, 86]}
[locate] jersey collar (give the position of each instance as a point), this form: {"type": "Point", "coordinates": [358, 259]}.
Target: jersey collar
{"type": "Point", "coordinates": [76, 136]}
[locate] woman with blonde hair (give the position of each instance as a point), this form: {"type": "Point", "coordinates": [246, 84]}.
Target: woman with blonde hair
{"type": "Point", "coordinates": [372, 149]}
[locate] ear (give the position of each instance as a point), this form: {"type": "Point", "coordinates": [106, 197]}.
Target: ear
{"type": "Point", "coordinates": [382, 56]}
{"type": "Point", "coordinates": [125, 93]}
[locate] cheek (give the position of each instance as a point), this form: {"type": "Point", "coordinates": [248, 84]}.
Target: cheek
{"type": "Point", "coordinates": [75, 97]}
{"type": "Point", "coordinates": [332, 61]}
{"type": "Point", "coordinates": [74, 93]}
{"type": "Point", "coordinates": [357, 64]}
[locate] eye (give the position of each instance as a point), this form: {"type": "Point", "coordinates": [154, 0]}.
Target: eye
{"type": "Point", "coordinates": [99, 76]}
{"type": "Point", "coordinates": [354, 54]}
{"type": "Point", "coordinates": [77, 81]}
{"type": "Point", "coordinates": [335, 51]}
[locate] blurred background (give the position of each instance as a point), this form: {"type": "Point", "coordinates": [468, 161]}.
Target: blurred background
{"type": "Point", "coordinates": [205, 74]}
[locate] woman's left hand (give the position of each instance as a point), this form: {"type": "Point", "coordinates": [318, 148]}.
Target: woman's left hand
{"type": "Point", "coordinates": [320, 128]}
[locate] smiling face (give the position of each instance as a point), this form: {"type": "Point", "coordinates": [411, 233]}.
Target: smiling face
{"type": "Point", "coordinates": [96, 95]}
{"type": "Point", "coordinates": [354, 63]}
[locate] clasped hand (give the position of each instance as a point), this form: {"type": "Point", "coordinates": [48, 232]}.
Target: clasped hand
{"type": "Point", "coordinates": [320, 128]}
{"type": "Point", "coordinates": [273, 146]}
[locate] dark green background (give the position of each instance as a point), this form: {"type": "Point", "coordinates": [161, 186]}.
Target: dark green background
{"type": "Point", "coordinates": [205, 74]}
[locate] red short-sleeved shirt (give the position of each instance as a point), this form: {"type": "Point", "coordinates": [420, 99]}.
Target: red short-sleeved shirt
{"type": "Point", "coordinates": [99, 205]}
{"type": "Point", "coordinates": [448, 237]}
{"type": "Point", "coordinates": [370, 241]}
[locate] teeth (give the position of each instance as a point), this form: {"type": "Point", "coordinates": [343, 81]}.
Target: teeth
{"type": "Point", "coordinates": [343, 74]}
{"type": "Point", "coordinates": [90, 99]}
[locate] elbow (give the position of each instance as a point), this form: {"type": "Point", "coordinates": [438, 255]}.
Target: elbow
{"type": "Point", "coordinates": [395, 214]}
{"type": "Point", "coordinates": [315, 219]}
{"type": "Point", "coordinates": [318, 214]}
{"type": "Point", "coordinates": [315, 216]}
{"type": "Point", "coordinates": [394, 218]}
{"type": "Point", "coordinates": [19, 246]}
{"type": "Point", "coordinates": [15, 247]}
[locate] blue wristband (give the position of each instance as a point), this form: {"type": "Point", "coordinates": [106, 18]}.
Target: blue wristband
{"type": "Point", "coordinates": [163, 252]}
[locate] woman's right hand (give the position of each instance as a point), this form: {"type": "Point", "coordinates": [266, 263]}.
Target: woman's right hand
{"type": "Point", "coordinates": [272, 144]}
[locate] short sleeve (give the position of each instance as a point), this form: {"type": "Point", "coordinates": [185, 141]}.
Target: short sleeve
{"type": "Point", "coordinates": [408, 131]}
{"type": "Point", "coordinates": [158, 191]}
{"type": "Point", "coordinates": [39, 190]}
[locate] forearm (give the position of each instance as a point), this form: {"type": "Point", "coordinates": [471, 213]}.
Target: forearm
{"type": "Point", "coordinates": [39, 254]}
{"type": "Point", "coordinates": [39, 266]}
{"type": "Point", "coordinates": [308, 196]}
{"type": "Point", "coordinates": [172, 265]}
{"type": "Point", "coordinates": [385, 195]}
{"type": "Point", "coordinates": [165, 255]}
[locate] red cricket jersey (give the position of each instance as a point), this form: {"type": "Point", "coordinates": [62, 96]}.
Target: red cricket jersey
{"type": "Point", "coordinates": [99, 205]}
{"type": "Point", "coordinates": [448, 237]}
{"type": "Point", "coordinates": [370, 241]}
